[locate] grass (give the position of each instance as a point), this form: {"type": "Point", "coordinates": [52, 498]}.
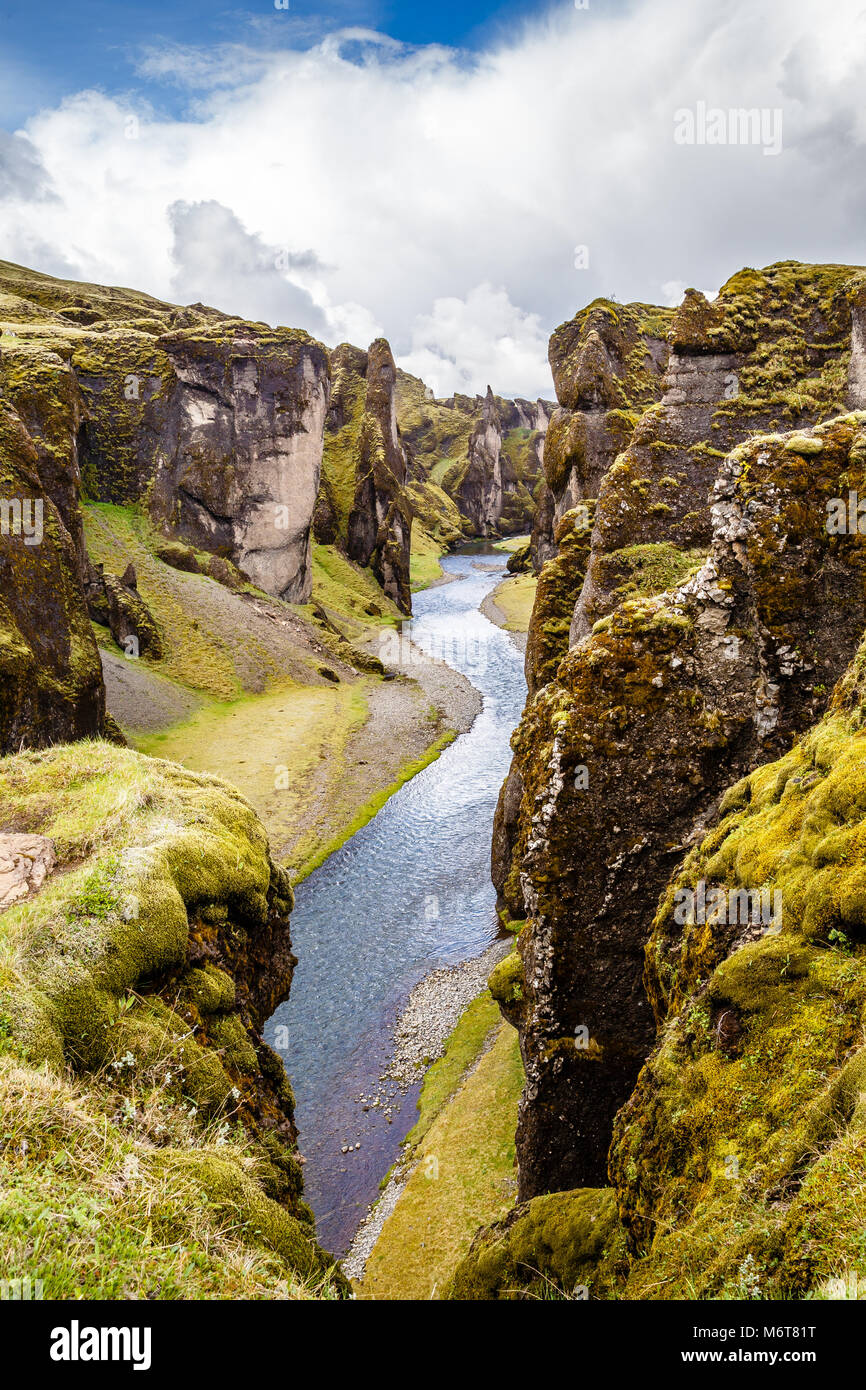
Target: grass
{"type": "Point", "coordinates": [137, 1180]}
{"type": "Point", "coordinates": [345, 588]}
{"type": "Point", "coordinates": [464, 1174]}
{"type": "Point", "coordinates": [515, 597]}
{"type": "Point", "coordinates": [476, 1025]}
{"type": "Point", "coordinates": [424, 566]}
{"type": "Point", "coordinates": [511, 543]}
{"type": "Point", "coordinates": [271, 747]}
{"type": "Point", "coordinates": [83, 1210]}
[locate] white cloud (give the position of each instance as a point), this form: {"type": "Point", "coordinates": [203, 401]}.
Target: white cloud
{"type": "Point", "coordinates": [443, 196]}
{"type": "Point", "coordinates": [483, 338]}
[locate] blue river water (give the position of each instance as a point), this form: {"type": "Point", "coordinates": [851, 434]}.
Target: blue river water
{"type": "Point", "coordinates": [410, 892]}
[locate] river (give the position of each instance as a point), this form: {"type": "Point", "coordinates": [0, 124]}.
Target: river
{"type": "Point", "coordinates": [410, 892]}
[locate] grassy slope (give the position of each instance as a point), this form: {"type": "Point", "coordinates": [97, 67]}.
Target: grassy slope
{"type": "Point", "coordinates": [262, 725]}
{"type": "Point", "coordinates": [464, 1174]}
{"type": "Point", "coordinates": [515, 597]}
{"type": "Point", "coordinates": [135, 1181]}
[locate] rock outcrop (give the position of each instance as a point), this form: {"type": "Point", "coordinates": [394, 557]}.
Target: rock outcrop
{"type": "Point", "coordinates": [480, 493]}
{"type": "Point", "coordinates": [51, 687]}
{"type": "Point", "coordinates": [380, 522]}
{"type": "Point", "coordinates": [632, 736]}
{"type": "Point", "coordinates": [148, 962]}
{"type": "Point", "coordinates": [484, 453]}
{"type": "Point", "coordinates": [363, 504]}
{"type": "Point", "coordinates": [737, 1162]}
{"type": "Point", "coordinates": [213, 423]}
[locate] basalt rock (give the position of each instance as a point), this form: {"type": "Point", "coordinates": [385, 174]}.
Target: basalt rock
{"type": "Point", "coordinates": [737, 1161]}
{"type": "Point", "coordinates": [242, 455]}
{"type": "Point", "coordinates": [380, 522]}
{"type": "Point", "coordinates": [623, 755]}
{"type": "Point", "coordinates": [132, 624]}
{"type": "Point", "coordinates": [772, 352]}
{"type": "Point", "coordinates": [213, 423]}
{"type": "Point", "coordinates": [608, 363]}
{"type": "Point", "coordinates": [484, 453]}
{"type": "Point", "coordinates": [51, 687]}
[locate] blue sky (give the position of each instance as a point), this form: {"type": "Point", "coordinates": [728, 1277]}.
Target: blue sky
{"type": "Point", "coordinates": [48, 51]}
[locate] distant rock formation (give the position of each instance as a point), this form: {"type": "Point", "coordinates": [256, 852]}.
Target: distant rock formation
{"type": "Point", "coordinates": [484, 453]}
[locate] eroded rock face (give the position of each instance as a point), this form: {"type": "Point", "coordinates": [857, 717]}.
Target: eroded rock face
{"type": "Point", "coordinates": [608, 363]}
{"type": "Point", "coordinates": [380, 522]}
{"type": "Point", "coordinates": [25, 863]}
{"type": "Point", "coordinates": [770, 353]}
{"type": "Point", "coordinates": [493, 448]}
{"type": "Point", "coordinates": [239, 462]}
{"type": "Point", "coordinates": [622, 756]}
{"type": "Point", "coordinates": [51, 687]}
{"type": "Point", "coordinates": [213, 423]}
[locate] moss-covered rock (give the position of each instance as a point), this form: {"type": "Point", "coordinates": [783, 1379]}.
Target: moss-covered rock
{"type": "Point", "coordinates": [739, 1157]}
{"type": "Point", "coordinates": [150, 961]}
{"type": "Point", "coordinates": [664, 704]}
{"type": "Point", "coordinates": [565, 1245]}
{"type": "Point", "coordinates": [50, 675]}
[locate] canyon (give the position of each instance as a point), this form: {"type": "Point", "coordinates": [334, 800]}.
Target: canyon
{"type": "Point", "coordinates": [234, 521]}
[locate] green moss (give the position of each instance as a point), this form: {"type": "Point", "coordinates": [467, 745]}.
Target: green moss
{"type": "Point", "coordinates": [656, 567]}
{"type": "Point", "coordinates": [506, 982]}
{"type": "Point", "coordinates": [565, 1245]}
{"type": "Point", "coordinates": [156, 868]}
{"type": "Point", "coordinates": [747, 1118]}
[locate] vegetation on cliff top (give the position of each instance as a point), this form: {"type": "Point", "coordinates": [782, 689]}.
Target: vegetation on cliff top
{"type": "Point", "coordinates": [136, 967]}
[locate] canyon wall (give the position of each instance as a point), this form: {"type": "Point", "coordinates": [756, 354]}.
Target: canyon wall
{"type": "Point", "coordinates": [212, 424]}
{"type": "Point", "coordinates": [645, 706]}
{"type": "Point", "coordinates": [363, 503]}
{"type": "Point", "coordinates": [481, 455]}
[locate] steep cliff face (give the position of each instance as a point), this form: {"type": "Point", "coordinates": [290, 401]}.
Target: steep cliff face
{"type": "Point", "coordinates": [480, 493]}
{"type": "Point", "coordinates": [631, 737]}
{"type": "Point", "coordinates": [239, 464]}
{"type": "Point", "coordinates": [51, 685]}
{"type": "Point", "coordinates": [380, 522]}
{"type": "Point", "coordinates": [608, 363]}
{"type": "Point", "coordinates": [770, 353]}
{"type": "Point", "coordinates": [364, 504]}
{"type": "Point", "coordinates": [212, 423]}
{"type": "Point", "coordinates": [147, 959]}
{"type": "Point", "coordinates": [737, 1162]}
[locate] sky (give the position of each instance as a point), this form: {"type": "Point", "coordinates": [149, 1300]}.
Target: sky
{"type": "Point", "coordinates": [460, 177]}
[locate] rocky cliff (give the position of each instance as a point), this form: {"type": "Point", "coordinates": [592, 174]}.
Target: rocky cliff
{"type": "Point", "coordinates": [721, 618]}
{"type": "Point", "coordinates": [51, 686]}
{"type": "Point", "coordinates": [736, 1165]}
{"type": "Point", "coordinates": [484, 453]}
{"type": "Point", "coordinates": [363, 503]}
{"type": "Point", "coordinates": [212, 423]}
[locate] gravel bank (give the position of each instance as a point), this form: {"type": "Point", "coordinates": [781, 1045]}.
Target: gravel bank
{"type": "Point", "coordinates": [425, 1025]}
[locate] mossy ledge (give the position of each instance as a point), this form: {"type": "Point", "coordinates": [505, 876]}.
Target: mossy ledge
{"type": "Point", "coordinates": [145, 968]}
